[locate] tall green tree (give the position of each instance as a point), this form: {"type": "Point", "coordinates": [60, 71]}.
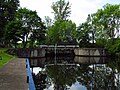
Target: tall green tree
{"type": "Point", "coordinates": [104, 25]}
{"type": "Point", "coordinates": [107, 25]}
{"type": "Point", "coordinates": [62, 32]}
{"type": "Point", "coordinates": [30, 27]}
{"type": "Point", "coordinates": [61, 10]}
{"type": "Point", "coordinates": [107, 21]}
{"type": "Point", "coordinates": [8, 10]}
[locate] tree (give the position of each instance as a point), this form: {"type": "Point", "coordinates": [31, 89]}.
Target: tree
{"type": "Point", "coordinates": [61, 10]}
{"type": "Point", "coordinates": [62, 32]}
{"type": "Point", "coordinates": [48, 22]}
{"type": "Point", "coordinates": [13, 33]}
{"type": "Point", "coordinates": [8, 10]}
{"type": "Point", "coordinates": [107, 21]}
{"type": "Point", "coordinates": [30, 26]}
{"type": "Point", "coordinates": [83, 35]}
{"type": "Point", "coordinates": [104, 25]}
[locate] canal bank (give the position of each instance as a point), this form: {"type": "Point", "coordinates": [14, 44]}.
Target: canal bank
{"type": "Point", "coordinates": [13, 76]}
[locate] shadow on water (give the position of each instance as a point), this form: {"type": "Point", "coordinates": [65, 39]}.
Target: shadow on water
{"type": "Point", "coordinates": [76, 73]}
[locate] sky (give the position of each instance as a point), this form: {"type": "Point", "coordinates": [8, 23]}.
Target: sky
{"type": "Point", "coordinates": [79, 8]}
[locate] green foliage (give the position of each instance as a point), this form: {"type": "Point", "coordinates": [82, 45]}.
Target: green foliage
{"type": "Point", "coordinates": [27, 25]}
{"type": "Point", "coordinates": [101, 27]}
{"type": "Point", "coordinates": [62, 32]}
{"type": "Point", "coordinates": [61, 10]}
{"type": "Point", "coordinates": [101, 43]}
{"type": "Point", "coordinates": [82, 35]}
{"type": "Point", "coordinates": [107, 21]}
{"type": "Point", "coordinates": [114, 48]}
{"type": "Point", "coordinates": [7, 12]}
{"type": "Point", "coordinates": [13, 32]}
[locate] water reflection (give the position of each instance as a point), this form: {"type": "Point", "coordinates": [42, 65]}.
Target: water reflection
{"type": "Point", "coordinates": [76, 73]}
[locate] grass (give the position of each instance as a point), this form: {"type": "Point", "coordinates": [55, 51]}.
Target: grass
{"type": "Point", "coordinates": [4, 57]}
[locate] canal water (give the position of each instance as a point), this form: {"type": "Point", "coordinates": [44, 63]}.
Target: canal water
{"type": "Point", "coordinates": [76, 73]}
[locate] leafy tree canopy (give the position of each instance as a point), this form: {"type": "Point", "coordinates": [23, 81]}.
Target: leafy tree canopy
{"type": "Point", "coordinates": [62, 32]}
{"type": "Point", "coordinates": [27, 25]}
{"type": "Point", "coordinates": [107, 21]}
{"type": "Point", "coordinates": [8, 10]}
{"type": "Point", "coordinates": [61, 10]}
{"type": "Point", "coordinates": [104, 25]}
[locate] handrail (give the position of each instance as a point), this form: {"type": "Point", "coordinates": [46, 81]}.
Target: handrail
{"type": "Point", "coordinates": [30, 78]}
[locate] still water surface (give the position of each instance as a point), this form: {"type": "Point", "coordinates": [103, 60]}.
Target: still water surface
{"type": "Point", "coordinates": [76, 73]}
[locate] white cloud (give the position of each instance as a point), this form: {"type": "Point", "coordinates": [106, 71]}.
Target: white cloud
{"type": "Point", "coordinates": [43, 7]}
{"type": "Point", "coordinates": [80, 8]}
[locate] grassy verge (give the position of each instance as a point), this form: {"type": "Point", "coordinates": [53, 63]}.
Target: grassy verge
{"type": "Point", "coordinates": [4, 57]}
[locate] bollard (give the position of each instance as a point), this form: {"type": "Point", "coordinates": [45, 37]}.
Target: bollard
{"type": "Point", "coordinates": [27, 79]}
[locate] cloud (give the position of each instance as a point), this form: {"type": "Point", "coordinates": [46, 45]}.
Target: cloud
{"type": "Point", "coordinates": [80, 8]}
{"type": "Point", "coordinates": [43, 7]}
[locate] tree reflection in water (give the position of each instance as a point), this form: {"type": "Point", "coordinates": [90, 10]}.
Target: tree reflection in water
{"type": "Point", "coordinates": [40, 80]}
{"type": "Point", "coordinates": [64, 74]}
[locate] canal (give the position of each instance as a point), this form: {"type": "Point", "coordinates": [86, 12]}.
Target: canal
{"type": "Point", "coordinates": [76, 73]}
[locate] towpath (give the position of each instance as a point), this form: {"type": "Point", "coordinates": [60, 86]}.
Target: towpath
{"type": "Point", "coordinates": [13, 76]}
